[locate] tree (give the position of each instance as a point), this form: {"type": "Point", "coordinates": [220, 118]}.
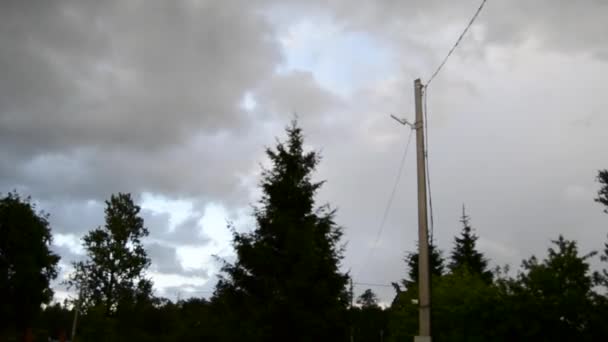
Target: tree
{"type": "Point", "coordinates": [465, 255]}
{"type": "Point", "coordinates": [56, 321]}
{"type": "Point", "coordinates": [403, 317]}
{"type": "Point", "coordinates": [556, 294]}
{"type": "Point", "coordinates": [285, 283]}
{"type": "Point", "coordinates": [436, 264]}
{"type": "Point", "coordinates": [26, 263]}
{"type": "Point", "coordinates": [464, 308]}
{"type": "Point", "coordinates": [114, 274]}
{"type": "Point", "coordinates": [368, 299]}
{"type": "Point", "coordinates": [369, 321]}
{"type": "Point", "coordinates": [602, 197]}
{"type": "Point", "coordinates": [602, 194]}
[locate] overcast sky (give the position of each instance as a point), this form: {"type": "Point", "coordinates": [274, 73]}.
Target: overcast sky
{"type": "Point", "coordinates": [174, 102]}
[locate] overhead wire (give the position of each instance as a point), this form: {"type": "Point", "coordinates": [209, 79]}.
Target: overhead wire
{"type": "Point", "coordinates": [426, 153]}
{"type": "Point", "coordinates": [426, 131]}
{"type": "Point", "coordinates": [390, 201]}
{"type": "Point", "coordinates": [373, 284]}
{"type": "Point", "coordinates": [456, 44]}
{"type": "Point", "coordinates": [428, 171]}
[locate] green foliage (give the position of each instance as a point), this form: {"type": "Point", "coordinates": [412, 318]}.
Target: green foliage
{"type": "Point", "coordinates": [463, 308]}
{"type": "Point", "coordinates": [113, 276]}
{"type": "Point", "coordinates": [26, 264]}
{"type": "Point", "coordinates": [549, 300]}
{"type": "Point", "coordinates": [286, 283]}
{"type": "Point", "coordinates": [557, 292]}
{"type": "Point", "coordinates": [465, 255]}
{"type": "Point", "coordinates": [436, 264]}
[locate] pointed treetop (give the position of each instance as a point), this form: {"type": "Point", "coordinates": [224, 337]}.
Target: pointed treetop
{"type": "Point", "coordinates": [465, 255]}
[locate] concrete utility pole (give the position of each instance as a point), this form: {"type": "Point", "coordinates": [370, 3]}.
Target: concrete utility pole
{"type": "Point", "coordinates": [76, 312]}
{"type": "Point", "coordinates": [424, 291]}
{"type": "Point", "coordinates": [424, 278]}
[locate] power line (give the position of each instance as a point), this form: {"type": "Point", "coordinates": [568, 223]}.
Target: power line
{"type": "Point", "coordinates": [426, 131]}
{"type": "Point", "coordinates": [373, 284]}
{"type": "Point", "coordinates": [390, 200]}
{"type": "Point", "coordinates": [428, 172]}
{"type": "Point", "coordinates": [456, 44]}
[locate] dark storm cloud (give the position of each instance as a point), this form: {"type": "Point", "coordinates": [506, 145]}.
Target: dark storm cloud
{"type": "Point", "coordinates": [164, 260]}
{"type": "Point", "coordinates": [126, 73]}
{"type": "Point", "coordinates": [146, 96]}
{"type": "Point", "coordinates": [125, 95]}
{"type": "Point", "coordinates": [186, 233]}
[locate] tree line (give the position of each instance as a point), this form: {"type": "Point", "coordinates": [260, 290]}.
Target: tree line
{"type": "Point", "coordinates": [286, 282]}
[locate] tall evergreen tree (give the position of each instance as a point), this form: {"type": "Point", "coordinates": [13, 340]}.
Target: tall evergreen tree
{"type": "Point", "coordinates": [114, 273]}
{"type": "Point", "coordinates": [465, 255]}
{"type": "Point", "coordinates": [27, 265]}
{"type": "Point", "coordinates": [436, 262]}
{"type": "Point", "coordinates": [285, 284]}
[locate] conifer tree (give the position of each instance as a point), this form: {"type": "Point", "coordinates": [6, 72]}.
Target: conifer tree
{"type": "Point", "coordinates": [465, 256]}
{"type": "Point", "coordinates": [286, 280]}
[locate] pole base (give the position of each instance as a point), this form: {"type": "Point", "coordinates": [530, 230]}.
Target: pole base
{"type": "Point", "coordinates": [422, 338]}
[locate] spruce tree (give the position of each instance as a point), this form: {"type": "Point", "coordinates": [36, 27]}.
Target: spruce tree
{"type": "Point", "coordinates": [465, 256]}
{"type": "Point", "coordinates": [285, 284]}
{"type": "Point", "coordinates": [435, 260]}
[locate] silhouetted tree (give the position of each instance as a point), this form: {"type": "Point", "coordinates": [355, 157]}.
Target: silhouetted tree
{"type": "Point", "coordinates": [602, 194]}
{"type": "Point", "coordinates": [55, 322]}
{"type": "Point", "coordinates": [286, 284]}
{"type": "Point", "coordinates": [369, 319]}
{"type": "Point", "coordinates": [26, 263]}
{"type": "Point", "coordinates": [113, 275]}
{"type": "Point", "coordinates": [435, 260]}
{"type": "Point", "coordinates": [368, 299]}
{"type": "Point", "coordinates": [465, 255]}
{"type": "Point", "coordinates": [602, 197]}
{"type": "Point", "coordinates": [555, 295]}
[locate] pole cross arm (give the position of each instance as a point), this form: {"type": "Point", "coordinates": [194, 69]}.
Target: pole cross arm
{"type": "Point", "coordinates": [404, 122]}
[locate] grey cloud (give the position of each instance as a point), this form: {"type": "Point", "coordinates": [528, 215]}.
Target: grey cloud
{"type": "Point", "coordinates": [186, 233]}
{"type": "Point", "coordinates": [127, 73]}
{"type": "Point", "coordinates": [295, 92]}
{"type": "Point", "coordinates": [188, 291]}
{"type": "Point", "coordinates": [164, 260]}
{"type": "Point", "coordinates": [169, 82]}
{"type": "Point", "coordinates": [571, 27]}
{"type": "Point", "coordinates": [73, 216]}
{"type": "Point", "coordinates": [125, 96]}
{"type": "Point", "coordinates": [67, 255]}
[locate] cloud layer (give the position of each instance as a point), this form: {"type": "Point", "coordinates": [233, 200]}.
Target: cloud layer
{"type": "Point", "coordinates": [175, 101]}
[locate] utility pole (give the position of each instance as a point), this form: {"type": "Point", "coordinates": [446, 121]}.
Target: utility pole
{"type": "Point", "coordinates": [424, 278]}
{"type": "Point", "coordinates": [352, 301]}
{"type": "Point", "coordinates": [424, 291]}
{"type": "Point", "coordinates": [76, 312]}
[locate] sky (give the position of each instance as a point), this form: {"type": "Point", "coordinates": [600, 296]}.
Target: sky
{"type": "Point", "coordinates": [175, 102]}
